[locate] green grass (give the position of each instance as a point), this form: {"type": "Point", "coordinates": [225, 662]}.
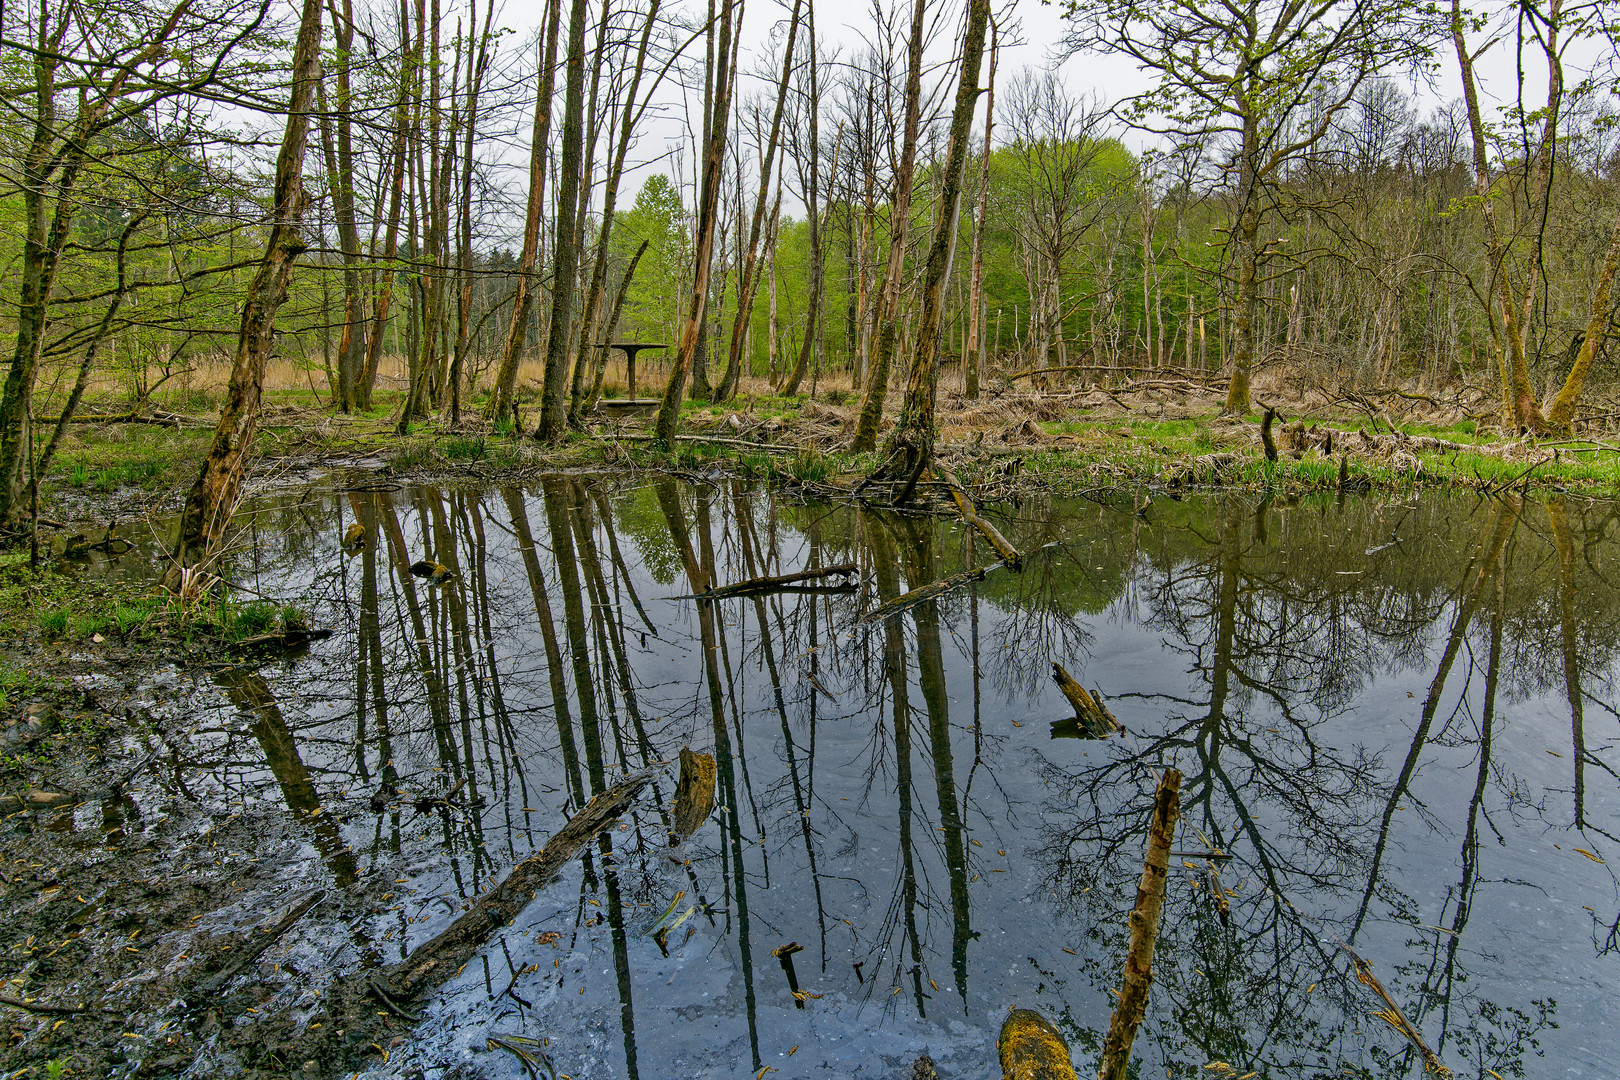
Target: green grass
{"type": "Point", "coordinates": [461, 448]}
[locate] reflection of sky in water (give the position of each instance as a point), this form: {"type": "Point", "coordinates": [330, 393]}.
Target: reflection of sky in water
{"type": "Point", "coordinates": [1283, 658]}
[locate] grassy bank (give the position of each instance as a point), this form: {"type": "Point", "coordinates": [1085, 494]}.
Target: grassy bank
{"type": "Point", "coordinates": [114, 471]}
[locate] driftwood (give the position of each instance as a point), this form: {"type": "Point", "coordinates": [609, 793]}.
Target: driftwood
{"type": "Point", "coordinates": [1133, 995]}
{"type": "Point", "coordinates": [933, 589]}
{"type": "Point", "coordinates": [970, 514]}
{"type": "Point", "coordinates": [1032, 1049]}
{"type": "Point", "coordinates": [754, 586]}
{"type": "Point", "coordinates": [1093, 716]}
{"type": "Point", "coordinates": [694, 795]}
{"type": "Point", "coordinates": [436, 961]}
{"type": "Point", "coordinates": [1393, 1016]}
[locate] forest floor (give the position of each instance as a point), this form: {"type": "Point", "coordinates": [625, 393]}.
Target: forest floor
{"type": "Point", "coordinates": [110, 946]}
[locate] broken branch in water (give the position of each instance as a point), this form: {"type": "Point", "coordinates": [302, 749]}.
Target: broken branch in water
{"type": "Point", "coordinates": [907, 601]}
{"type": "Point", "coordinates": [435, 961]}
{"type": "Point", "coordinates": [970, 514]}
{"type": "Point", "coordinates": [784, 956]}
{"type": "Point", "coordinates": [1133, 995]}
{"type": "Point", "coordinates": [1094, 717]}
{"type": "Point", "coordinates": [771, 584]}
{"type": "Point", "coordinates": [1394, 1017]}
{"type": "Point", "coordinates": [694, 794]}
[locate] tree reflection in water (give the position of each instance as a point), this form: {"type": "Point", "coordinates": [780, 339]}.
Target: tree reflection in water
{"type": "Point", "coordinates": [1360, 695]}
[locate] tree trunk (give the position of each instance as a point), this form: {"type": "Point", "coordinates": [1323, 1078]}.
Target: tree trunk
{"type": "Point", "coordinates": [973, 352]}
{"type": "Point", "coordinates": [667, 422]}
{"type": "Point", "coordinates": [818, 273]}
{"type": "Point", "coordinates": [396, 198]}
{"type": "Point", "coordinates": [565, 258]}
{"type": "Point", "coordinates": [1561, 414]}
{"type": "Point", "coordinates": [50, 164]}
{"type": "Point", "coordinates": [888, 311]}
{"type": "Point", "coordinates": [1247, 301]}
{"type": "Point", "coordinates": [476, 66]}
{"type": "Point", "coordinates": [338, 148]}
{"type": "Point", "coordinates": [910, 447]}
{"type": "Point", "coordinates": [1518, 398]}
{"type": "Point", "coordinates": [593, 295]}
{"type": "Point", "coordinates": [213, 497]}
{"type": "Point", "coordinates": [748, 279]}
{"type": "Point", "coordinates": [523, 301]}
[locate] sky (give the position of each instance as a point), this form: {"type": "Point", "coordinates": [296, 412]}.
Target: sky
{"type": "Point", "coordinates": [1032, 34]}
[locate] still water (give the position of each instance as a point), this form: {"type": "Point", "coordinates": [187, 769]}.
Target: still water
{"type": "Point", "coordinates": [1395, 716]}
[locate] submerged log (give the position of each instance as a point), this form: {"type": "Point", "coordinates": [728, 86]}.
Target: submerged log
{"type": "Point", "coordinates": [436, 961]}
{"type": "Point", "coordinates": [757, 585]}
{"type": "Point", "coordinates": [1092, 715]}
{"type": "Point", "coordinates": [1032, 1049]}
{"type": "Point", "coordinates": [970, 514]}
{"type": "Point", "coordinates": [694, 795]}
{"type": "Point", "coordinates": [907, 601]}
{"type": "Point", "coordinates": [1133, 995]}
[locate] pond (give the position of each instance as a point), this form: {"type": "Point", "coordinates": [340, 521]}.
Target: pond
{"type": "Point", "coordinates": [1395, 718]}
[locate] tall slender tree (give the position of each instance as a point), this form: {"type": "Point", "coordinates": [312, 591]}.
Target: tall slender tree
{"type": "Point", "coordinates": [910, 447]}
{"type": "Point", "coordinates": [213, 497]}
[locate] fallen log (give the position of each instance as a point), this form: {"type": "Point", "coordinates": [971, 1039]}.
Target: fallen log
{"type": "Point", "coordinates": [1133, 994]}
{"type": "Point", "coordinates": [970, 514]}
{"type": "Point", "coordinates": [754, 586]}
{"type": "Point", "coordinates": [1092, 714]}
{"type": "Point", "coordinates": [436, 961]}
{"type": "Point", "coordinates": [1032, 1049]}
{"type": "Point", "coordinates": [907, 601]}
{"type": "Point", "coordinates": [258, 941]}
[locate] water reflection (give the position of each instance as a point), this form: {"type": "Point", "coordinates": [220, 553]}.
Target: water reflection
{"type": "Point", "coordinates": [1379, 708]}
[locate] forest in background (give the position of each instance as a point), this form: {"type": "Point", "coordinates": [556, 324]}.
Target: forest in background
{"type": "Point", "coordinates": [474, 214]}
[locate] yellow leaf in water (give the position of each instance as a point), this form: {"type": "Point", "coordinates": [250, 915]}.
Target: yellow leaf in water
{"type": "Point", "coordinates": [1589, 855]}
{"type": "Point", "coordinates": [794, 1050]}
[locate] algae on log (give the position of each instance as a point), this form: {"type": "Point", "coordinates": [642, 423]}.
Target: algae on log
{"type": "Point", "coordinates": [694, 796]}
{"type": "Point", "coordinates": [1032, 1049]}
{"type": "Point", "coordinates": [1133, 995]}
